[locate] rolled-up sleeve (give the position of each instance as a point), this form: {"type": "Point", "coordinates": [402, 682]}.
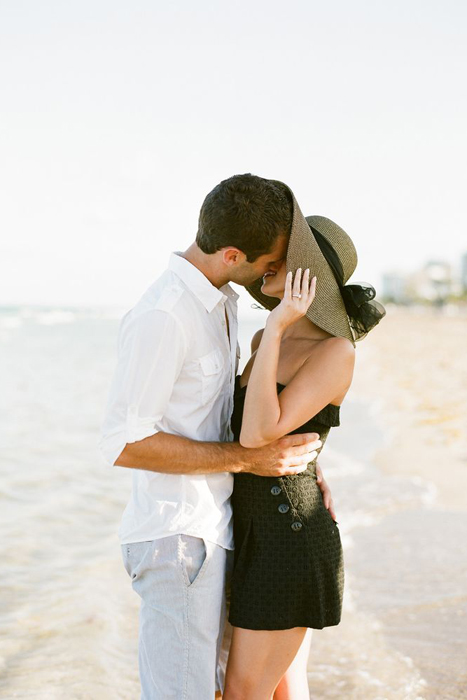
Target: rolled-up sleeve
{"type": "Point", "coordinates": [151, 351]}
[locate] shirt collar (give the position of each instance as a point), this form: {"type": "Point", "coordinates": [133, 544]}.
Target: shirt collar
{"type": "Point", "coordinates": [198, 283]}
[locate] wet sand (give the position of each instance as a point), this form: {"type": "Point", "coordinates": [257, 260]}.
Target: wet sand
{"type": "Point", "coordinates": [402, 506]}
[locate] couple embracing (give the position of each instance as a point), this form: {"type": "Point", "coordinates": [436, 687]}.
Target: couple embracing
{"type": "Point", "coordinates": [229, 536]}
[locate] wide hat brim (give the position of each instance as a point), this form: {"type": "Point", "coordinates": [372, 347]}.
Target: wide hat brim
{"type": "Point", "coordinates": [327, 309]}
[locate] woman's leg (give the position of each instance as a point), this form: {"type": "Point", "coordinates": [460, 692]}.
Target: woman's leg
{"type": "Point", "coordinates": [294, 683]}
{"type": "Point", "coordinates": [257, 661]}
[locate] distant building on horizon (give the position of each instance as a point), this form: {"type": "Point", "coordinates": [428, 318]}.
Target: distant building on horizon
{"type": "Point", "coordinates": [394, 287]}
{"type": "Point", "coordinates": [463, 279]}
{"type": "Point", "coordinates": [433, 282]}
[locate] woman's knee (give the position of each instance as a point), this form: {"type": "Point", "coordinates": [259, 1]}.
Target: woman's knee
{"type": "Point", "coordinates": [246, 689]}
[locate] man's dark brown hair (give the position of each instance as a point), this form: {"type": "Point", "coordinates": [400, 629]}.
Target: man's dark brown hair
{"type": "Point", "coordinates": [245, 211]}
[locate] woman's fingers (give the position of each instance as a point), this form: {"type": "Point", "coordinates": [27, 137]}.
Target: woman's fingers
{"type": "Point", "coordinates": [305, 284]}
{"type": "Point", "coordinates": [329, 503]}
{"type": "Point", "coordinates": [297, 282]}
{"type": "Point", "coordinates": [288, 286]}
{"type": "Point", "coordinates": [319, 473]}
{"type": "Point", "coordinates": [312, 292]}
{"type": "Point", "coordinates": [299, 289]}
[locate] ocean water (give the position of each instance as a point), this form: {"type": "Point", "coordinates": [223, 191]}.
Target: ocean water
{"type": "Point", "coordinates": [68, 618]}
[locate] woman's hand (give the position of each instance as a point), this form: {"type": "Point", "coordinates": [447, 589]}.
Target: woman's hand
{"type": "Point", "coordinates": [296, 301]}
{"type": "Point", "coordinates": [325, 492]}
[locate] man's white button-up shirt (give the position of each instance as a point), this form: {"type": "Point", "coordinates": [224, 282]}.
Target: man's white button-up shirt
{"type": "Point", "coordinates": [175, 373]}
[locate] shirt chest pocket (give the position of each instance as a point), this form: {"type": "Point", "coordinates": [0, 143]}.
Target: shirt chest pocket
{"type": "Point", "coordinates": [212, 372]}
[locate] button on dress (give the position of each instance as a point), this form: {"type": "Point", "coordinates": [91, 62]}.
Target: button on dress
{"type": "Point", "coordinates": [288, 565]}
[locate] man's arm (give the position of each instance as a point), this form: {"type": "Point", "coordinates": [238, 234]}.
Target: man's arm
{"type": "Point", "coordinates": [172, 454]}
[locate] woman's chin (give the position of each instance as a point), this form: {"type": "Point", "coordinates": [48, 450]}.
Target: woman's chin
{"type": "Point", "coordinates": [269, 292]}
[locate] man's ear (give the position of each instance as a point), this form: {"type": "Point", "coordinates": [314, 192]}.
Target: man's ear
{"type": "Point", "coordinates": [232, 256]}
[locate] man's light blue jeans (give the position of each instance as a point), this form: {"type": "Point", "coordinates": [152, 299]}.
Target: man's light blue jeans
{"type": "Point", "coordinates": [183, 634]}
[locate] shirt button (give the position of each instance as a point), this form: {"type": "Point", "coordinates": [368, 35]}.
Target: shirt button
{"type": "Point", "coordinates": [276, 490]}
{"type": "Point", "coordinates": [296, 526]}
{"type": "Point", "coordinates": [283, 508]}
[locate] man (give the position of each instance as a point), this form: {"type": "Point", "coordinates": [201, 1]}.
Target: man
{"type": "Point", "coordinates": [168, 419]}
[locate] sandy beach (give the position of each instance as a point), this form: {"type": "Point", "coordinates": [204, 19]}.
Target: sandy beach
{"type": "Point", "coordinates": [397, 466]}
{"type": "Point", "coordinates": [403, 632]}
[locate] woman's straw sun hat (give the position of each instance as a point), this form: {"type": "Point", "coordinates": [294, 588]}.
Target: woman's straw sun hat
{"type": "Point", "coordinates": [323, 246]}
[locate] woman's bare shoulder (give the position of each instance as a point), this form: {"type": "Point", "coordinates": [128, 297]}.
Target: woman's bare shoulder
{"type": "Point", "coordinates": [341, 345]}
{"type": "Point", "coordinates": [332, 350]}
{"type": "Point", "coordinates": [334, 356]}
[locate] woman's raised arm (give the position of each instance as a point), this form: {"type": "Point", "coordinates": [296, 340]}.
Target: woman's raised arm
{"type": "Point", "coordinates": [268, 416]}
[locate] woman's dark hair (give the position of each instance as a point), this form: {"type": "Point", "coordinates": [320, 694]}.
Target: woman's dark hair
{"type": "Point", "coordinates": [245, 211]}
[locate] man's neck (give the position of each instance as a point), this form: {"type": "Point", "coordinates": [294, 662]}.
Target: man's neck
{"type": "Point", "coordinates": [201, 260]}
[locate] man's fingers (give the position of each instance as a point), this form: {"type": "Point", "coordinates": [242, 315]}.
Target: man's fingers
{"type": "Point", "coordinates": [298, 439]}
{"type": "Point", "coordinates": [303, 450]}
{"type": "Point", "coordinates": [292, 454]}
{"type": "Point", "coordinates": [299, 460]}
{"type": "Point", "coordinates": [309, 441]}
{"type": "Point", "coordinates": [290, 471]}
{"type": "Point", "coordinates": [294, 465]}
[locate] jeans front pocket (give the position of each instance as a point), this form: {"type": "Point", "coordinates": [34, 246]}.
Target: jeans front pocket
{"type": "Point", "coordinates": [133, 554]}
{"type": "Point", "coordinates": [192, 557]}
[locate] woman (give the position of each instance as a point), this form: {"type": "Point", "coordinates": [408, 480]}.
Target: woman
{"type": "Point", "coordinates": [289, 574]}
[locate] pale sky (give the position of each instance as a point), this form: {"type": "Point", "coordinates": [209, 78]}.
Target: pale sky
{"type": "Point", "coordinates": [117, 118]}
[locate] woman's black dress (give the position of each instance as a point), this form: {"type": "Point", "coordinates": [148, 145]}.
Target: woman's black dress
{"type": "Point", "coordinates": [288, 565]}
